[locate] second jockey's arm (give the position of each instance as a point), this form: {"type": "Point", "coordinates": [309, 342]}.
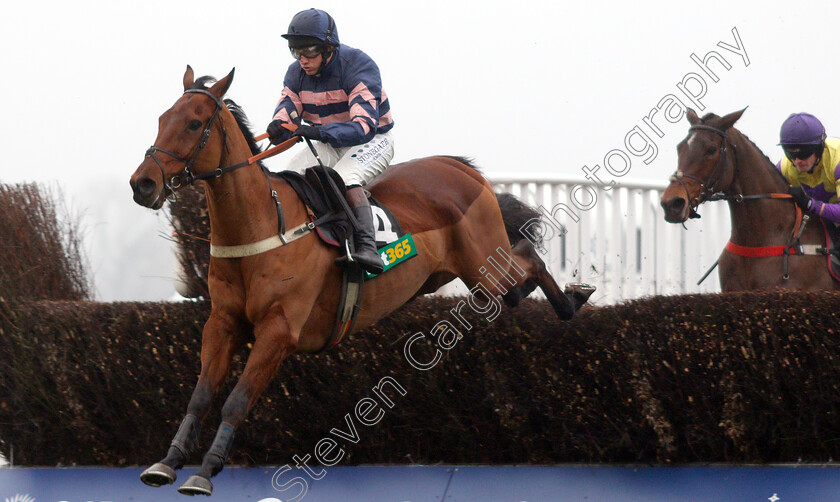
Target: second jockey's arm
{"type": "Point", "coordinates": [829, 211]}
{"type": "Point", "coordinates": [826, 210]}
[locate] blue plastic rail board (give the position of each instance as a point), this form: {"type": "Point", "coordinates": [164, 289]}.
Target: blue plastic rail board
{"type": "Point", "coordinates": [438, 484]}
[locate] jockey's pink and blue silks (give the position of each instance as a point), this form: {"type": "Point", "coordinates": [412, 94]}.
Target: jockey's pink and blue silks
{"type": "Point", "coordinates": [346, 99]}
{"type": "Point", "coordinates": [821, 184]}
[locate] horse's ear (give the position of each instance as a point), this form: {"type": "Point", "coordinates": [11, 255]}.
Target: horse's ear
{"type": "Point", "coordinates": [189, 78]}
{"type": "Point", "coordinates": [729, 120]}
{"type": "Point", "coordinates": [692, 117]}
{"type": "Point", "coordinates": [221, 87]}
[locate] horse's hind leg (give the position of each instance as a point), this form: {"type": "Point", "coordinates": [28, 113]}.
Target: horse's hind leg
{"type": "Point", "coordinates": [220, 340]}
{"type": "Point", "coordinates": [273, 343]}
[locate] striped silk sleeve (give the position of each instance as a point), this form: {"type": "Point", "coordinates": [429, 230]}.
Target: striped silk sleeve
{"type": "Point", "coordinates": [289, 107]}
{"type": "Point", "coordinates": [827, 210]}
{"type": "Point", "coordinates": [363, 85]}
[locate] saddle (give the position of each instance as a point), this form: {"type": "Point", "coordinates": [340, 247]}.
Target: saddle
{"type": "Point", "coordinates": [331, 223]}
{"type": "Point", "coordinates": [333, 227]}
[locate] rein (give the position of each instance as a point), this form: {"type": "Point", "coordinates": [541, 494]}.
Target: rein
{"type": "Point", "coordinates": [186, 177]}
{"type": "Point", "coordinates": [793, 247]}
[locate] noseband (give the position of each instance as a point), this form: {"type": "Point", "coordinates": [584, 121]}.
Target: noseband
{"type": "Point", "coordinates": [186, 176]}
{"type": "Point", "coordinates": [707, 186]}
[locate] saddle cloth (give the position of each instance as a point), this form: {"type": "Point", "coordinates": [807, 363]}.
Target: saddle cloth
{"type": "Point", "coordinates": [832, 240]}
{"type": "Point", "coordinates": [331, 224]}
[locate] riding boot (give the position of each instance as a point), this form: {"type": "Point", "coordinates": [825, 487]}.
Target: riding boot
{"type": "Point", "coordinates": [366, 254]}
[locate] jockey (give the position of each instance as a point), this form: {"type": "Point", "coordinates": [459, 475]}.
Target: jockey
{"type": "Point", "coordinates": [811, 165]}
{"type": "Point", "coordinates": [337, 91]}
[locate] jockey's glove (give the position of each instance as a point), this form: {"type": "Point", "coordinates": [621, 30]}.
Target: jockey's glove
{"type": "Point", "coordinates": [801, 198]}
{"type": "Point", "coordinates": [277, 133]}
{"type": "Point", "coordinates": [308, 131]}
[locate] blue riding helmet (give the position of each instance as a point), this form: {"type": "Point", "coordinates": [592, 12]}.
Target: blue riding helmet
{"type": "Point", "coordinates": [313, 23]}
{"type": "Point", "coordinates": [802, 129]}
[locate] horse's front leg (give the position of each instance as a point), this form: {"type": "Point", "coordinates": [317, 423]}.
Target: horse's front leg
{"type": "Point", "coordinates": [220, 340]}
{"type": "Point", "coordinates": [274, 341]}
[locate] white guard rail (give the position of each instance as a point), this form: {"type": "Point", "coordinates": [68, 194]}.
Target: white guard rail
{"type": "Point", "coordinates": [622, 245]}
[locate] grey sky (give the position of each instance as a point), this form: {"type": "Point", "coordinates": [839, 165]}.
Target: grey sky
{"type": "Point", "coordinates": [525, 88]}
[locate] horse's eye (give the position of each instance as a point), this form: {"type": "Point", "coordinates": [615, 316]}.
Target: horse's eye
{"type": "Point", "coordinates": [194, 125]}
{"type": "Point", "coordinates": [711, 150]}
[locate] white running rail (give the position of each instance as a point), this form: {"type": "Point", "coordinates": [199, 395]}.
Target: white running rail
{"type": "Point", "coordinates": [622, 245]}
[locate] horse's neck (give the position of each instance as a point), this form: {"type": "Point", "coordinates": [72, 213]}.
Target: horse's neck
{"type": "Point", "coordinates": [757, 222]}
{"type": "Point", "coordinates": [240, 206]}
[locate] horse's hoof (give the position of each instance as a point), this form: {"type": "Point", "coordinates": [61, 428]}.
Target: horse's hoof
{"type": "Point", "coordinates": [196, 485]}
{"type": "Point", "coordinates": [158, 475]}
{"type": "Point", "coordinates": [580, 292]}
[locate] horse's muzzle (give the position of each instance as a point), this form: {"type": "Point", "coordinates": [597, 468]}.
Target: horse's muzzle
{"type": "Point", "coordinates": [147, 192]}
{"type": "Point", "coordinates": [676, 209]}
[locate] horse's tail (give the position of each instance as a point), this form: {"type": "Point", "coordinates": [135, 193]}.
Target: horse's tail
{"type": "Point", "coordinates": [516, 215]}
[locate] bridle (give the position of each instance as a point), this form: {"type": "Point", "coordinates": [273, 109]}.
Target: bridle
{"type": "Point", "coordinates": [793, 247]}
{"type": "Point", "coordinates": [186, 177]}
{"type": "Point", "coordinates": [709, 192]}
{"type": "Point", "coordinates": [707, 186]}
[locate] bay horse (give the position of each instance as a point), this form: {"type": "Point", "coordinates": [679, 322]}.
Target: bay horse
{"type": "Point", "coordinates": [285, 298]}
{"type": "Point", "coordinates": [772, 244]}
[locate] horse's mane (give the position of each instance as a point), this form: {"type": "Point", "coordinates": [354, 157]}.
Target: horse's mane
{"type": "Point", "coordinates": [768, 164]}
{"type": "Point", "coordinates": [238, 114]}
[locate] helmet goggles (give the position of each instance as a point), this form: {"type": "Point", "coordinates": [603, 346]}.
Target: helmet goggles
{"type": "Point", "coordinates": [794, 152]}
{"type": "Point", "coordinates": [308, 52]}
